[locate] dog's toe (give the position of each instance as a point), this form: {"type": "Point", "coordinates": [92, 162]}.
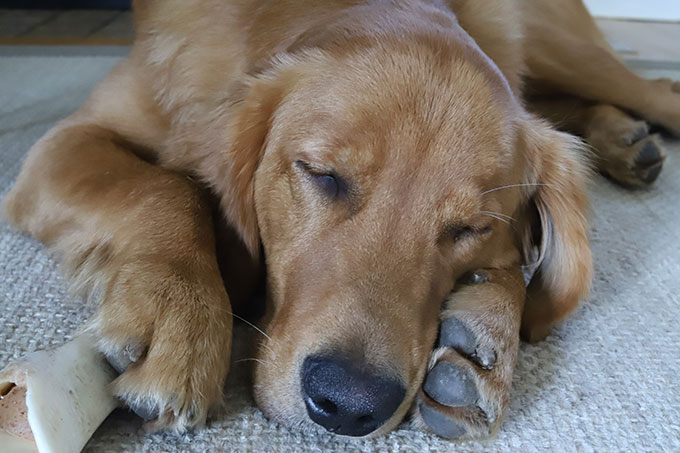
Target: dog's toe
{"type": "Point", "coordinates": [121, 359]}
{"type": "Point", "coordinates": [441, 424]}
{"type": "Point", "coordinates": [450, 385]}
{"type": "Point", "coordinates": [649, 162]}
{"type": "Point", "coordinates": [650, 154]}
{"type": "Point", "coordinates": [639, 131]}
{"type": "Point", "coordinates": [144, 409]}
{"type": "Point", "coordinates": [457, 335]}
{"type": "Point", "coordinates": [450, 403]}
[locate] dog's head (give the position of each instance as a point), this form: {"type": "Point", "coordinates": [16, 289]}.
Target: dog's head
{"type": "Point", "coordinates": [374, 177]}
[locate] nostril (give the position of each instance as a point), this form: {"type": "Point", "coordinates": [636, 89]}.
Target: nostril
{"type": "Point", "coordinates": [365, 419]}
{"type": "Point", "coordinates": [326, 406]}
{"type": "Point", "coordinates": [345, 398]}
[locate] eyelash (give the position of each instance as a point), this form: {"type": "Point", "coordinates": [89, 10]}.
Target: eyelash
{"type": "Point", "coordinates": [460, 232]}
{"type": "Point", "coordinates": [327, 181]}
{"type": "Point", "coordinates": [335, 187]}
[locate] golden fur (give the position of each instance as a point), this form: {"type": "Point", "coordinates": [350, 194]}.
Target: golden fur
{"type": "Point", "coordinates": [419, 105]}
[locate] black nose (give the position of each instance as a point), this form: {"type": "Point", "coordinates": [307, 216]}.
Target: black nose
{"type": "Point", "coordinates": [345, 398]}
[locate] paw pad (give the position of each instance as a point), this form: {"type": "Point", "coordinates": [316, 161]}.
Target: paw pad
{"type": "Point", "coordinates": [455, 334]}
{"type": "Point", "coordinates": [440, 424]}
{"type": "Point", "coordinates": [144, 409]}
{"type": "Point", "coordinates": [649, 162]}
{"type": "Point", "coordinates": [450, 385]}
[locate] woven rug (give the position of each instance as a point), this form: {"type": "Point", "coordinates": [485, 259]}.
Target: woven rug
{"type": "Point", "coordinates": [605, 380]}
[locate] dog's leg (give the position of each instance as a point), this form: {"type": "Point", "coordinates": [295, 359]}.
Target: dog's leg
{"type": "Point", "coordinates": [622, 146]}
{"type": "Point", "coordinates": [465, 393]}
{"type": "Point", "coordinates": [141, 239]}
{"type": "Point", "coordinates": [565, 53]}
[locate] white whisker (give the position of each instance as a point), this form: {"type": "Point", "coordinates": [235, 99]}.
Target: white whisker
{"type": "Point", "coordinates": [500, 219]}
{"type": "Point", "coordinates": [505, 216]}
{"type": "Point", "coordinates": [510, 186]}
{"type": "Point", "coordinates": [257, 329]}
{"type": "Point", "coordinates": [261, 362]}
{"type": "Point", "coordinates": [252, 325]}
{"type": "Point", "coordinates": [263, 345]}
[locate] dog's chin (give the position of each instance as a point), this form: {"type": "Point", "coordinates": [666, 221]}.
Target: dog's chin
{"type": "Point", "coordinates": [277, 397]}
{"type": "Point", "coordinates": [301, 421]}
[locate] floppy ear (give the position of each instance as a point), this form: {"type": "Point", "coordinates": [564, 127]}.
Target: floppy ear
{"type": "Point", "coordinates": [558, 204]}
{"type": "Point", "coordinates": [231, 171]}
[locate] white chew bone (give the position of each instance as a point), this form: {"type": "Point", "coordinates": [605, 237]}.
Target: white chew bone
{"type": "Point", "coordinates": [53, 401]}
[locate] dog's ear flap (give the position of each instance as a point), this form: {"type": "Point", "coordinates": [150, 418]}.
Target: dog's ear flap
{"type": "Point", "coordinates": [556, 227]}
{"type": "Point", "coordinates": [249, 123]}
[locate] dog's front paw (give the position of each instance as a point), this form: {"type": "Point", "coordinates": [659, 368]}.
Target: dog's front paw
{"type": "Point", "coordinates": [460, 396]}
{"type": "Point", "coordinates": [171, 342]}
{"type": "Point", "coordinates": [465, 392]}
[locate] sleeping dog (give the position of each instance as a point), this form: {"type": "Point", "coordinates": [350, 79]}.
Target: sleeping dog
{"type": "Point", "coordinates": [386, 165]}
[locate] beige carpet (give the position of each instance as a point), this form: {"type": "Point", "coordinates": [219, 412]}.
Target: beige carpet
{"type": "Point", "coordinates": [606, 380]}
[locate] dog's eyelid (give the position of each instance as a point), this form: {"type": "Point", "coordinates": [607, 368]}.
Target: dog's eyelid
{"type": "Point", "coordinates": [328, 181]}
{"type": "Point", "coordinates": [314, 170]}
{"type": "Point", "coordinates": [457, 231]}
{"type": "Point", "coordinates": [485, 230]}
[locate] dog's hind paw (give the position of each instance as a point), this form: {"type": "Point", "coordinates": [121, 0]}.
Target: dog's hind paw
{"type": "Point", "coordinates": [635, 160]}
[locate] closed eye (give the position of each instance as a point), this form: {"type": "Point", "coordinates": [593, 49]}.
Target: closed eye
{"type": "Point", "coordinates": [328, 182]}
{"type": "Point", "coordinates": [457, 232]}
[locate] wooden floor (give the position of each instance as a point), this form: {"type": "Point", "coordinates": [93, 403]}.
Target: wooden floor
{"type": "Point", "coordinates": [640, 40]}
{"type": "Point", "coordinates": [635, 40]}
{"type": "Point", "coordinates": [64, 27]}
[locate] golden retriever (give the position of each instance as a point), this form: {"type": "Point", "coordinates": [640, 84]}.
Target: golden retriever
{"type": "Point", "coordinates": [383, 160]}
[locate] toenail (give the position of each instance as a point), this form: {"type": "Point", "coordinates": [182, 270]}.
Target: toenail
{"type": "Point", "coordinates": [474, 278]}
{"type": "Point", "coordinates": [119, 361]}
{"type": "Point", "coordinates": [485, 357]}
{"type": "Point", "coordinates": [440, 424]}
{"type": "Point", "coordinates": [450, 385]}
{"type": "Point", "coordinates": [458, 336]}
{"type": "Point", "coordinates": [134, 351]}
